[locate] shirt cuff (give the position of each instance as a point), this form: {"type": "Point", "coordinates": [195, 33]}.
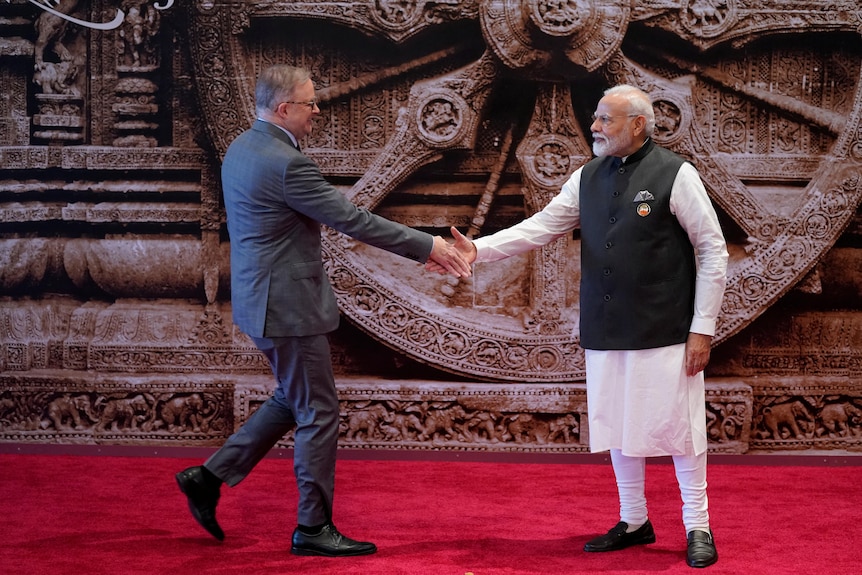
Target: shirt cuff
{"type": "Point", "coordinates": [703, 326]}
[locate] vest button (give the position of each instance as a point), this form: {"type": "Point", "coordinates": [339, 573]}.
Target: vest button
{"type": "Point", "coordinates": [616, 194]}
{"type": "Point", "coordinates": [606, 271]}
{"type": "Point", "coordinates": [622, 170]}
{"type": "Point", "coordinates": [612, 220]}
{"type": "Point", "coordinates": [609, 245]}
{"type": "Point", "coordinates": [607, 297]}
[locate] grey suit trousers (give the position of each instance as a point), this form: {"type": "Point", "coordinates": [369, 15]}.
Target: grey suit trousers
{"type": "Point", "coordinates": [305, 397]}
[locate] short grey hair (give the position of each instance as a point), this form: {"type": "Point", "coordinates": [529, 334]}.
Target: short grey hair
{"type": "Point", "coordinates": [276, 85]}
{"type": "Point", "coordinates": [639, 103]}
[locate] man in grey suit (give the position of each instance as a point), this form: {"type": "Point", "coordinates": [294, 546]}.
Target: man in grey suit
{"type": "Point", "coordinates": [276, 199]}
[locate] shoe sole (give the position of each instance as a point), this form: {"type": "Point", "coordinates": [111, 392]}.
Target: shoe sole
{"type": "Point", "coordinates": [645, 541]}
{"type": "Point", "coordinates": [314, 552]}
{"type": "Point", "coordinates": [698, 565]}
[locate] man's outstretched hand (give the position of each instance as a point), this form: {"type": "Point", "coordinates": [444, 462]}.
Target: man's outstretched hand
{"type": "Point", "coordinates": [456, 258]}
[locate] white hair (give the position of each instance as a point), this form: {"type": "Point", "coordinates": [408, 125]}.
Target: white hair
{"type": "Point", "coordinates": [639, 103]}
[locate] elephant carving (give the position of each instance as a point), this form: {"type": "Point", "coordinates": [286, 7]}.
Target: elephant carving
{"type": "Point", "coordinates": [565, 427]}
{"type": "Point", "coordinates": [404, 426]}
{"type": "Point", "coordinates": [839, 419]}
{"type": "Point", "coordinates": [441, 423]}
{"type": "Point", "coordinates": [183, 412]}
{"type": "Point", "coordinates": [483, 424]}
{"type": "Point", "coordinates": [125, 413]}
{"type": "Point", "coordinates": [786, 417]}
{"type": "Point", "coordinates": [526, 428]}
{"type": "Point", "coordinates": [367, 421]}
{"type": "Point", "coordinates": [70, 412]}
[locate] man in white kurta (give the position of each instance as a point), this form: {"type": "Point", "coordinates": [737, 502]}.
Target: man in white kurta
{"type": "Point", "coordinates": [642, 401]}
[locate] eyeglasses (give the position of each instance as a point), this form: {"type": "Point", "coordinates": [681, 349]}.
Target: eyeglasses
{"type": "Point", "coordinates": [605, 119]}
{"type": "Point", "coordinates": [311, 104]}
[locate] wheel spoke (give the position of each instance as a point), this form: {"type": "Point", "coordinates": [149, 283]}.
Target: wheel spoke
{"type": "Point", "coordinates": [442, 114]}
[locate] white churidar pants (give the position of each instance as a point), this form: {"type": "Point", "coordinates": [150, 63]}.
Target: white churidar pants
{"type": "Point", "coordinates": [690, 470]}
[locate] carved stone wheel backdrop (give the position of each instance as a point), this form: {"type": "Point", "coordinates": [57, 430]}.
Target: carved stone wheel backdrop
{"type": "Point", "coordinates": [446, 113]}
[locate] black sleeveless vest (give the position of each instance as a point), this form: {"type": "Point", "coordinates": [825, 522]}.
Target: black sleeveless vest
{"type": "Point", "coordinates": [637, 264]}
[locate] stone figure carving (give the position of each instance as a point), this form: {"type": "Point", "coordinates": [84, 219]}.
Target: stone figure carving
{"type": "Point", "coordinates": [183, 413]}
{"type": "Point", "coordinates": [441, 423]}
{"type": "Point", "coordinates": [708, 13]}
{"type": "Point", "coordinates": [565, 428]}
{"type": "Point", "coordinates": [50, 30]}
{"type": "Point", "coordinates": [136, 46]}
{"type": "Point", "coordinates": [519, 427]}
{"type": "Point", "coordinates": [482, 426]}
{"type": "Point", "coordinates": [124, 413]}
{"type": "Point", "coordinates": [70, 412]}
{"type": "Point", "coordinates": [57, 77]}
{"type": "Point", "coordinates": [451, 422]}
{"type": "Point", "coordinates": [440, 119]}
{"type": "Point", "coordinates": [840, 420]}
{"type": "Point", "coordinates": [367, 422]}
{"type": "Point", "coordinates": [394, 11]}
{"type": "Point", "coordinates": [785, 420]}
{"type": "Point", "coordinates": [401, 427]}
{"type": "Point", "coordinates": [529, 428]}
{"type": "Point", "coordinates": [59, 74]}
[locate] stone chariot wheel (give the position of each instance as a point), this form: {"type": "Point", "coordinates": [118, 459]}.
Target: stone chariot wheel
{"type": "Point", "coordinates": [474, 113]}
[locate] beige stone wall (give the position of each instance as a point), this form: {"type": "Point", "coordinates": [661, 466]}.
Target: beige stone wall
{"type": "Point", "coordinates": [115, 323]}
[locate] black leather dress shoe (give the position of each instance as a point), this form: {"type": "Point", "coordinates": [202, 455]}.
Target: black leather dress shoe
{"type": "Point", "coordinates": [617, 538]}
{"type": "Point", "coordinates": [330, 543]}
{"type": "Point", "coordinates": [202, 499]}
{"type": "Point", "coordinates": [701, 549]}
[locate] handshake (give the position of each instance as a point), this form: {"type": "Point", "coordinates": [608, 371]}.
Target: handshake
{"type": "Point", "coordinates": [454, 258]}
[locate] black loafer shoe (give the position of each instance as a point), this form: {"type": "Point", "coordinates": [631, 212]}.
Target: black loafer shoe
{"type": "Point", "coordinates": [329, 543]}
{"type": "Point", "coordinates": [202, 499]}
{"type": "Point", "coordinates": [701, 549]}
{"type": "Point", "coordinates": [617, 538]}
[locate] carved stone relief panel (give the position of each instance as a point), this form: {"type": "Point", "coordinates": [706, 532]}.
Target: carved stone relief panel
{"type": "Point", "coordinates": [114, 261]}
{"type": "Point", "coordinates": [728, 415]}
{"type": "Point", "coordinates": [118, 410]}
{"type": "Point", "coordinates": [807, 414]}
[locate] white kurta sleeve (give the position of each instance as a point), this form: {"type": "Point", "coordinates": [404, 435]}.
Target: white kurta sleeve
{"type": "Point", "coordinates": [693, 209]}
{"type": "Point", "coordinates": [559, 217]}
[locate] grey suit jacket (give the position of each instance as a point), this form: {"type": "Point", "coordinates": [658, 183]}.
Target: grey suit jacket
{"type": "Point", "coordinates": [276, 198]}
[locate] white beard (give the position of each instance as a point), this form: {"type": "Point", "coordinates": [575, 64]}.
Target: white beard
{"type": "Point", "coordinates": [600, 147]}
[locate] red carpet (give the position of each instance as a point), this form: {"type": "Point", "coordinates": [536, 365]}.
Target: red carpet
{"type": "Point", "coordinates": [72, 514]}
